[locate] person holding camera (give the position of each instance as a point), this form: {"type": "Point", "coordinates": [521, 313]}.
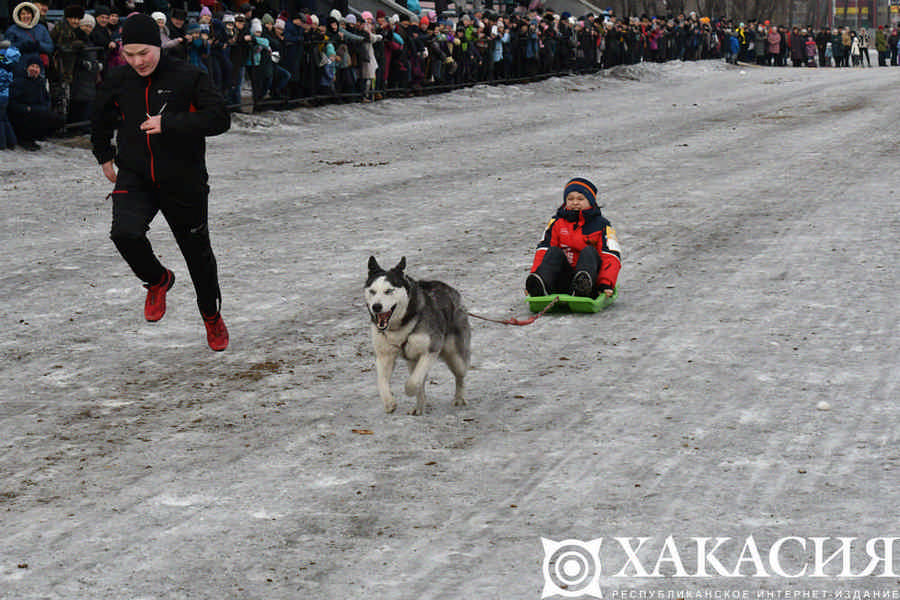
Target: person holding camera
{"type": "Point", "coordinates": [68, 42]}
{"type": "Point", "coordinates": [163, 109]}
{"type": "Point", "coordinates": [198, 47]}
{"type": "Point", "coordinates": [240, 45]}
{"type": "Point", "coordinates": [179, 38]}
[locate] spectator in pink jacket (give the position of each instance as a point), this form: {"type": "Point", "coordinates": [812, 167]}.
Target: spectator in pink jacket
{"type": "Point", "coordinates": [773, 47]}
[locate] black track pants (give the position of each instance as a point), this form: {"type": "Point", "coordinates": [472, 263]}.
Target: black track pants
{"type": "Point", "coordinates": [184, 205]}
{"type": "Point", "coordinates": [557, 273]}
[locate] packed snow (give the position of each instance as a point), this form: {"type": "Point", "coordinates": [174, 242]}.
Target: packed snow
{"type": "Point", "coordinates": [757, 213]}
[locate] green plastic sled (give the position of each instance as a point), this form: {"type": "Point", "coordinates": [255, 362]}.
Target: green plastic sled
{"type": "Point", "coordinates": [578, 304]}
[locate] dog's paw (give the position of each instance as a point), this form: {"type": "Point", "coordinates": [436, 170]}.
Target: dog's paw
{"type": "Point", "coordinates": [460, 401]}
{"type": "Point", "coordinates": [415, 412]}
{"type": "Point", "coordinates": [390, 406]}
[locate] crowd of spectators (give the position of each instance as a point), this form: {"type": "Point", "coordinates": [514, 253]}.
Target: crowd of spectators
{"type": "Point", "coordinates": [766, 44]}
{"type": "Point", "coordinates": [281, 58]}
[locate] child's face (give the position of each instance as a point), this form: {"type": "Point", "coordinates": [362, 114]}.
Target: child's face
{"type": "Point", "coordinates": [577, 201]}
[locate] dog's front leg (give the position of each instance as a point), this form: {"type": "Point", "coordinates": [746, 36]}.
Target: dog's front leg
{"type": "Point", "coordinates": [385, 358]}
{"type": "Point", "coordinates": [415, 385]}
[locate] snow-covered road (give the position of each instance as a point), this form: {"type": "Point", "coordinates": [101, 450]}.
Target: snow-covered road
{"type": "Point", "coordinates": [745, 383]}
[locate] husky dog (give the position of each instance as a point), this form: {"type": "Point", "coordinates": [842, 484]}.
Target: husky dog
{"type": "Point", "coordinates": [422, 321]}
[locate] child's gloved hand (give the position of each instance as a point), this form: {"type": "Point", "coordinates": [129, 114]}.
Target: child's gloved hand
{"type": "Point", "coordinates": [608, 292]}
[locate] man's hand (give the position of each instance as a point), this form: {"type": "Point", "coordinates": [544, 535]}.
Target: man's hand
{"type": "Point", "coordinates": [608, 292]}
{"type": "Point", "coordinates": [152, 125]}
{"type": "Point", "coordinates": [109, 170]}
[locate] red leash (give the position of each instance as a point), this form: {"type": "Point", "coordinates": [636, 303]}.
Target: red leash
{"type": "Point", "coordinates": [513, 320]}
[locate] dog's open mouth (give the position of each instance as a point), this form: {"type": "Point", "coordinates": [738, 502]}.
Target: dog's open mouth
{"type": "Point", "coordinates": [383, 318]}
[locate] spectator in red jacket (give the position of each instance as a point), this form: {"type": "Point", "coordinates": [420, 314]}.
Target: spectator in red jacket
{"type": "Point", "coordinates": [579, 252]}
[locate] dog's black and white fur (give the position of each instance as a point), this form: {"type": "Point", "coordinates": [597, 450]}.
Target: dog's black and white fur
{"type": "Point", "coordinates": [421, 321]}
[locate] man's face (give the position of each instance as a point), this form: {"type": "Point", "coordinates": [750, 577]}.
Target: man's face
{"type": "Point", "coordinates": [143, 58]}
{"type": "Point", "coordinates": [102, 20]}
{"type": "Point", "coordinates": [113, 19]}
{"type": "Point", "coordinates": [34, 71]}
{"type": "Point", "coordinates": [74, 22]}
{"type": "Point", "coordinates": [179, 23]}
{"type": "Point", "coordinates": [43, 8]}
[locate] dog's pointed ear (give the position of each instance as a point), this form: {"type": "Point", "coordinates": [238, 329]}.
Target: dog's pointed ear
{"type": "Point", "coordinates": [401, 265]}
{"type": "Point", "coordinates": [374, 267]}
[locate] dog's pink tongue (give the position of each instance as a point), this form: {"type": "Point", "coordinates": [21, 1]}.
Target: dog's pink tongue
{"type": "Point", "coordinates": [383, 319]}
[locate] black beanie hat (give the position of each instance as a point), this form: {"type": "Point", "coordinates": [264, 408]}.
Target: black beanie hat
{"type": "Point", "coordinates": [73, 11]}
{"type": "Point", "coordinates": [140, 29]}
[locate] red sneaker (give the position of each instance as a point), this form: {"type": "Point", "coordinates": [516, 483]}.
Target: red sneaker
{"type": "Point", "coordinates": [155, 305]}
{"type": "Point", "coordinates": [216, 332]}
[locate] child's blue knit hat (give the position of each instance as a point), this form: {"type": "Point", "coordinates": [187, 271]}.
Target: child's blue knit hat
{"type": "Point", "coordinates": [582, 186]}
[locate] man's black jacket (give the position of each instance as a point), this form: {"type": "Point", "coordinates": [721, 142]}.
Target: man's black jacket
{"type": "Point", "coordinates": [191, 109]}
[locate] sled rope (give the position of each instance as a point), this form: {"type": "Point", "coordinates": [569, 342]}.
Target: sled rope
{"type": "Point", "coordinates": [513, 320]}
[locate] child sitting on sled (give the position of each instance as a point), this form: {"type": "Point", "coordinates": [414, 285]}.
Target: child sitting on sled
{"type": "Point", "coordinates": [579, 252]}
